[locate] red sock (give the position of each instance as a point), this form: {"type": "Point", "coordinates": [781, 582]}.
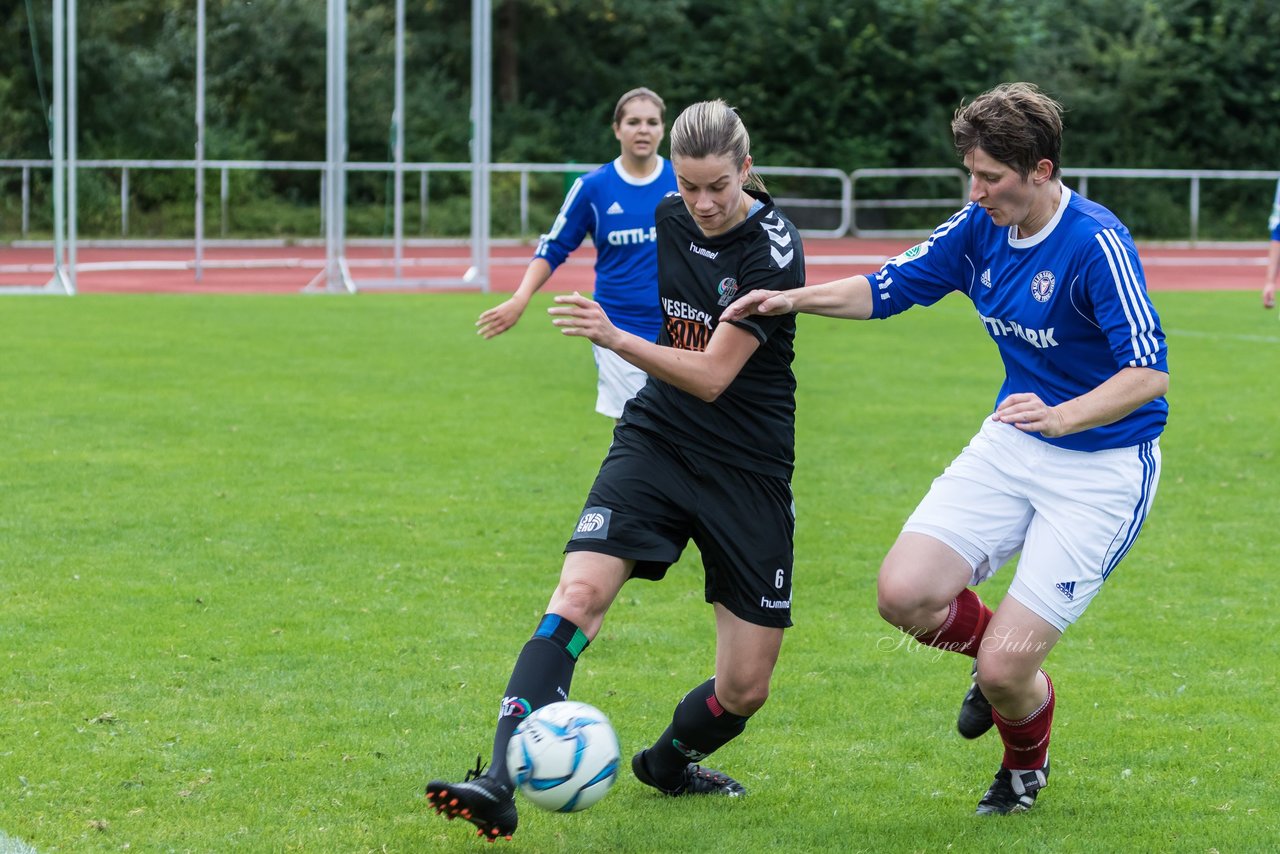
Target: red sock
{"type": "Point", "coordinates": [963, 629]}
{"type": "Point", "coordinates": [1026, 742]}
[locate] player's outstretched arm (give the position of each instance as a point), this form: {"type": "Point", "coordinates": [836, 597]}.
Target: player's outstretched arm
{"type": "Point", "coordinates": [849, 298]}
{"type": "Point", "coordinates": [502, 317]}
{"type": "Point", "coordinates": [705, 374]}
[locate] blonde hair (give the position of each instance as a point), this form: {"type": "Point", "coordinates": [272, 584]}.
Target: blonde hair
{"type": "Point", "coordinates": [638, 92]}
{"type": "Point", "coordinates": [713, 129]}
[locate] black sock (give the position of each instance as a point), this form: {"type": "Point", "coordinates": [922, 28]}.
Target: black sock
{"type": "Point", "coordinates": [541, 676]}
{"type": "Point", "coordinates": [699, 727]}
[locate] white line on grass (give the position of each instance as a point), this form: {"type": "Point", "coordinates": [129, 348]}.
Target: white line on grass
{"type": "Point", "coordinates": [9, 845]}
{"type": "Point", "coordinates": [1262, 339]}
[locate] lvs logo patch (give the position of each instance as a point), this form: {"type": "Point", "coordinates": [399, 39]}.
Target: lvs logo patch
{"type": "Point", "coordinates": [1042, 285]}
{"type": "Point", "coordinates": [728, 289]}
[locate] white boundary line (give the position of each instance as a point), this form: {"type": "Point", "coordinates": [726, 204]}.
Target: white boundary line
{"type": "Point", "coordinates": [1190, 333]}
{"type": "Point", "coordinates": [9, 845]}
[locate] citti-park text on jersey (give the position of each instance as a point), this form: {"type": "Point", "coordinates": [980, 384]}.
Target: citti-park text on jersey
{"type": "Point", "coordinates": [1041, 338]}
{"type": "Point", "coordinates": [628, 236]}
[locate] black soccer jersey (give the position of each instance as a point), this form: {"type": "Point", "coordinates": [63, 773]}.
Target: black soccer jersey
{"type": "Point", "coordinates": [752, 424]}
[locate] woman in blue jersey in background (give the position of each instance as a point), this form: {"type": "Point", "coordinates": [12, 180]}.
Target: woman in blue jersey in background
{"type": "Point", "coordinates": [1065, 468]}
{"type": "Point", "coordinates": [615, 205]}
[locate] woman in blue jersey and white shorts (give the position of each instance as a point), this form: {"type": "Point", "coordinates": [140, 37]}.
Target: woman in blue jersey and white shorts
{"type": "Point", "coordinates": [1065, 468]}
{"type": "Point", "coordinates": [615, 205]}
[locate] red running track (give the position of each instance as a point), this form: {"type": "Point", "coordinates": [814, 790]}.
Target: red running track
{"type": "Point", "coordinates": [289, 269]}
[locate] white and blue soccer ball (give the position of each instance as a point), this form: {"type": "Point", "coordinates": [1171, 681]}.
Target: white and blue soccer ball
{"type": "Point", "coordinates": [564, 756]}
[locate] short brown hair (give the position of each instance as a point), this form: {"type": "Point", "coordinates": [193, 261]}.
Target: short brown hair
{"type": "Point", "coordinates": [1015, 123]}
{"type": "Point", "coordinates": [638, 92]}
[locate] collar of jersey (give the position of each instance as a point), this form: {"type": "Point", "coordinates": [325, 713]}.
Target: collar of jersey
{"type": "Point", "coordinates": [1043, 234]}
{"type": "Point", "coordinates": [638, 182]}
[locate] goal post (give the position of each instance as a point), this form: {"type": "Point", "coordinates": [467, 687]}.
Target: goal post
{"type": "Point", "coordinates": [62, 145]}
{"type": "Point", "coordinates": [477, 275]}
{"type": "Point", "coordinates": [336, 274]}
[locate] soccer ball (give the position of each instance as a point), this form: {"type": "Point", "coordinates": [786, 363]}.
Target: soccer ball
{"type": "Point", "coordinates": [564, 756]}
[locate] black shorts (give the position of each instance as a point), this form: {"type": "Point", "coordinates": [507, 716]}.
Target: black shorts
{"type": "Point", "coordinates": [650, 499]}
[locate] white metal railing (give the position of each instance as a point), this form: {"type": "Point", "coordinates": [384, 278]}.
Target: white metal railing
{"type": "Point", "coordinates": [949, 203]}
{"type": "Point", "coordinates": [839, 201]}
{"type": "Point", "coordinates": [1194, 176]}
{"type": "Point", "coordinates": [846, 198]}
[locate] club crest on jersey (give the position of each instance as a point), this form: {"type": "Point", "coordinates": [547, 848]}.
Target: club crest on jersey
{"type": "Point", "coordinates": [1042, 285]}
{"type": "Point", "coordinates": [728, 289]}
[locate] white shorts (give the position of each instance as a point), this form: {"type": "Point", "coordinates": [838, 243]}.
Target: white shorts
{"type": "Point", "coordinates": [618, 381]}
{"type": "Point", "coordinates": [1072, 514]}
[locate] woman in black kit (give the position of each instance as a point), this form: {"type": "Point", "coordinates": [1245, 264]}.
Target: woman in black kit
{"type": "Point", "coordinates": [705, 452]}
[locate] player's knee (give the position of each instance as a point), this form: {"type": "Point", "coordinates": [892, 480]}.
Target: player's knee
{"type": "Point", "coordinates": [899, 604]}
{"type": "Point", "coordinates": [1002, 679]}
{"type": "Point", "coordinates": [581, 601]}
{"type": "Point", "coordinates": [743, 698]}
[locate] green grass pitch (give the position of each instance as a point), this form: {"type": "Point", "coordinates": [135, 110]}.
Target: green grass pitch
{"type": "Point", "coordinates": [265, 563]}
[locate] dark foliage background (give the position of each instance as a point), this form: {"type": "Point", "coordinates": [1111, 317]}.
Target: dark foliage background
{"type": "Point", "coordinates": [1169, 84]}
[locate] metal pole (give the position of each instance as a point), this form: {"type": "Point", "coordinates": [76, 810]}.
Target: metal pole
{"type": "Point", "coordinates": [224, 192]}
{"type": "Point", "coordinates": [71, 147]}
{"type": "Point", "coordinates": [524, 203]}
{"type": "Point", "coordinates": [422, 202]}
{"type": "Point", "coordinates": [124, 201]}
{"type": "Point", "coordinates": [481, 66]}
{"type": "Point", "coordinates": [331, 155]}
{"type": "Point", "coordinates": [59, 140]}
{"type": "Point", "coordinates": [1195, 208]}
{"type": "Point", "coordinates": [397, 121]}
{"type": "Point", "coordinates": [26, 200]}
{"type": "Point", "coordinates": [340, 210]}
{"type": "Point", "coordinates": [336, 147]}
{"type": "Point", "coordinates": [200, 140]}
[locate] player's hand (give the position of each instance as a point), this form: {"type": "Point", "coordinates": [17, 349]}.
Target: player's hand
{"type": "Point", "coordinates": [500, 318]}
{"type": "Point", "coordinates": [583, 317]}
{"type": "Point", "coordinates": [757, 302]}
{"type": "Point", "coordinates": [1269, 295]}
{"type": "Point", "coordinates": [1030, 414]}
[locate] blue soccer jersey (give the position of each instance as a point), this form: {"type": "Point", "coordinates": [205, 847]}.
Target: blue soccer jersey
{"type": "Point", "coordinates": [617, 211]}
{"type": "Point", "coordinates": [1273, 224]}
{"type": "Point", "coordinates": [1067, 307]}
